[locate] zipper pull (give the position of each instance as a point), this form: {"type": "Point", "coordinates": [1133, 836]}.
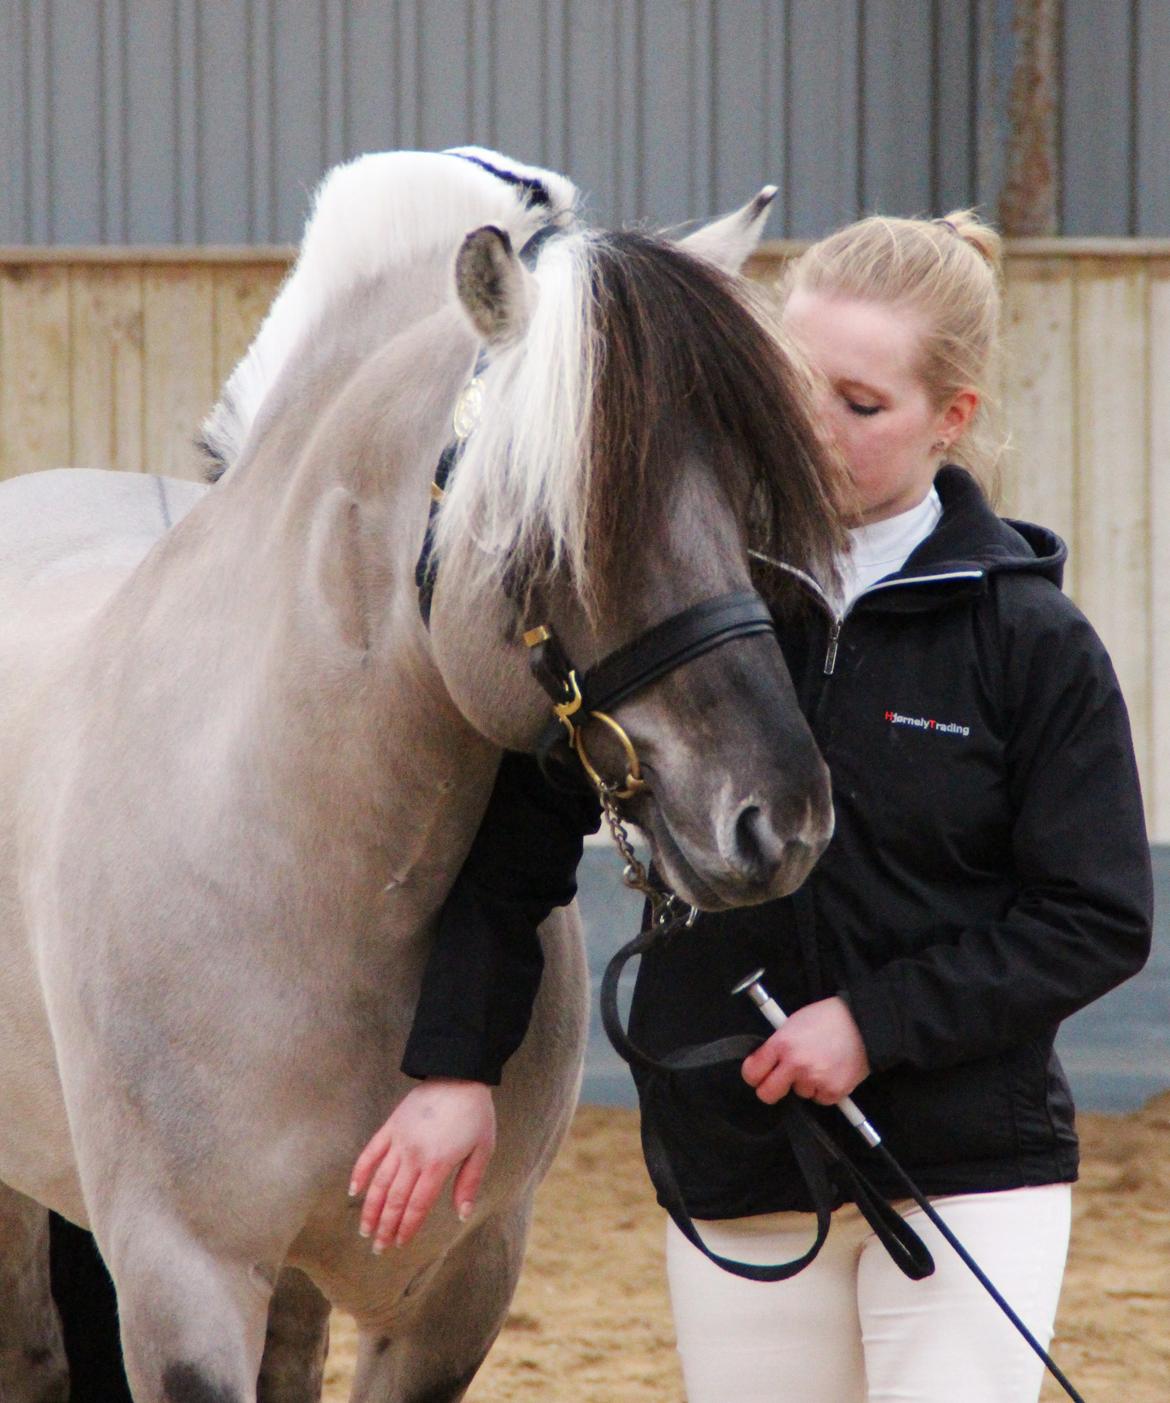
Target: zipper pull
{"type": "Point", "coordinates": [831, 655]}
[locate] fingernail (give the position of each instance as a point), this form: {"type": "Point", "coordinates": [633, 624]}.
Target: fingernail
{"type": "Point", "coordinates": [363, 1230]}
{"type": "Point", "coordinates": [353, 1190]}
{"type": "Point", "coordinates": [379, 1247]}
{"type": "Point", "coordinates": [465, 1211]}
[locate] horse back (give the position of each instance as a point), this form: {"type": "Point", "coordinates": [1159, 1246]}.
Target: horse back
{"type": "Point", "coordinates": [82, 520]}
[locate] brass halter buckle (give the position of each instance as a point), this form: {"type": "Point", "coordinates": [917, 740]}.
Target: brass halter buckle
{"type": "Point", "coordinates": [568, 713]}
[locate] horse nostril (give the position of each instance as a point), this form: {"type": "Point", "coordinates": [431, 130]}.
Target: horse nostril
{"type": "Point", "coordinates": [758, 847]}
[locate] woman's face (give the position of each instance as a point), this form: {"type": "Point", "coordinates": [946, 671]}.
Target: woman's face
{"type": "Point", "coordinates": [872, 401]}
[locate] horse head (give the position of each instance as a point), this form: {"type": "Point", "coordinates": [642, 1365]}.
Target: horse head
{"type": "Point", "coordinates": [641, 431]}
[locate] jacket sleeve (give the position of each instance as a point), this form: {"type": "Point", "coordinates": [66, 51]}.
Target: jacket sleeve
{"type": "Point", "coordinates": [483, 972]}
{"type": "Point", "coordinates": [1080, 921]}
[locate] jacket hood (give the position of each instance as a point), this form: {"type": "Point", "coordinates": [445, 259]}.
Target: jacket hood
{"type": "Point", "coordinates": [970, 537]}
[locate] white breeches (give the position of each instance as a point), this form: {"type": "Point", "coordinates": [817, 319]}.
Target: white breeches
{"type": "Point", "coordinates": [851, 1328]}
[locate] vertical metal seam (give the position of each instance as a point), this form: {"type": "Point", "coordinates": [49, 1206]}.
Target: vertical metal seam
{"type": "Point", "coordinates": [712, 105]}
{"type": "Point", "coordinates": [542, 144]}
{"type": "Point", "coordinates": [973, 113]}
{"type": "Point", "coordinates": [1062, 90]}
{"type": "Point", "coordinates": [25, 32]}
{"type": "Point", "coordinates": [123, 121]}
{"type": "Point", "coordinates": [103, 221]}
{"type": "Point", "coordinates": [639, 91]}
{"type": "Point", "coordinates": [177, 129]}
{"type": "Point", "coordinates": [198, 146]}
{"type": "Point", "coordinates": [493, 76]}
{"type": "Point", "coordinates": [936, 110]}
{"type": "Point", "coordinates": [691, 106]}
{"type": "Point", "coordinates": [860, 85]}
{"type": "Point", "coordinates": [250, 126]}
{"type": "Point", "coordinates": [469, 86]}
{"type": "Point", "coordinates": [615, 39]}
{"type": "Point", "coordinates": [270, 103]}
{"type": "Point", "coordinates": [323, 57]}
{"type": "Point", "coordinates": [566, 79]}
{"type": "Point", "coordinates": [1132, 171]}
{"type": "Point", "coordinates": [343, 63]}
{"type": "Point", "coordinates": [418, 69]}
{"type": "Point", "coordinates": [786, 117]}
{"type": "Point", "coordinates": [50, 203]}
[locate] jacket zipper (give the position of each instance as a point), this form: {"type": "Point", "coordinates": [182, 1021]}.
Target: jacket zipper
{"type": "Point", "coordinates": [839, 619]}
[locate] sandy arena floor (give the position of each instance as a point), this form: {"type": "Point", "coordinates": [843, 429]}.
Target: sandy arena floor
{"type": "Point", "coordinates": [590, 1322]}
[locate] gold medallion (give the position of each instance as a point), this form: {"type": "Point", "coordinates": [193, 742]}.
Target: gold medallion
{"type": "Point", "coordinates": [468, 408]}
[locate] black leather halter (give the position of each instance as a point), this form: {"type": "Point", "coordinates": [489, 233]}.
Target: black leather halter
{"type": "Point", "coordinates": [676, 640]}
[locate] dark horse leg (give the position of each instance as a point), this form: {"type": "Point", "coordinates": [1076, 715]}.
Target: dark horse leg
{"type": "Point", "coordinates": [294, 1351]}
{"type": "Point", "coordinates": [32, 1360]}
{"type": "Point", "coordinates": [89, 1316]}
{"type": "Point", "coordinates": [293, 1369]}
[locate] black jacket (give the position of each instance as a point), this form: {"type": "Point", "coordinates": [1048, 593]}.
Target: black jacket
{"type": "Point", "coordinates": [989, 875]}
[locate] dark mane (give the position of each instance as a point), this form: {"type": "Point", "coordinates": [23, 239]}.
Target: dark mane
{"type": "Point", "coordinates": [685, 356]}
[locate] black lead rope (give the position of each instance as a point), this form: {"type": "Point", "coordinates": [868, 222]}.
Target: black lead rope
{"type": "Point", "coordinates": [813, 1149]}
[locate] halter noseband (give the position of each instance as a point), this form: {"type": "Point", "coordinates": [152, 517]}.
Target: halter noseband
{"type": "Point", "coordinates": [579, 698]}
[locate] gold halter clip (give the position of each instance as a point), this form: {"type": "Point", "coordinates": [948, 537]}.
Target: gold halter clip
{"type": "Point", "coordinates": [565, 712]}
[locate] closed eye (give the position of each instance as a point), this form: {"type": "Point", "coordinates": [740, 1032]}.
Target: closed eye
{"type": "Point", "coordinates": [866, 409]}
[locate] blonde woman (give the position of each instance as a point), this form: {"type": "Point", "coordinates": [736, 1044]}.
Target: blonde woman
{"type": "Point", "coordinates": [989, 876]}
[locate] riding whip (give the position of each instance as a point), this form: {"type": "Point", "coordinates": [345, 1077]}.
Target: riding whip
{"type": "Point", "coordinates": [754, 989]}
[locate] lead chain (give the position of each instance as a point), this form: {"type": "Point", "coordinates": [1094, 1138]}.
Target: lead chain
{"type": "Point", "coordinates": [665, 906]}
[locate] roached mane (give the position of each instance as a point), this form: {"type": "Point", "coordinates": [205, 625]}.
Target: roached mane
{"type": "Point", "coordinates": [636, 353]}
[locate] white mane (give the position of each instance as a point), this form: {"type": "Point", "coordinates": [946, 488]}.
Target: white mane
{"type": "Point", "coordinates": [373, 214]}
{"type": "Point", "coordinates": [521, 488]}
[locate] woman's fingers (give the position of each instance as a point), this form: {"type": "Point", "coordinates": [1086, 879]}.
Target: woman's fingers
{"type": "Point", "coordinates": [418, 1203]}
{"type": "Point", "coordinates": [369, 1159]}
{"type": "Point", "coordinates": [377, 1193]}
{"type": "Point", "coordinates": [397, 1197]}
{"type": "Point", "coordinates": [469, 1178]}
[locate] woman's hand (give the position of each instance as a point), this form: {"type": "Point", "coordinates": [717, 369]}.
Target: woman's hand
{"type": "Point", "coordinates": [441, 1125]}
{"type": "Point", "coordinates": [818, 1054]}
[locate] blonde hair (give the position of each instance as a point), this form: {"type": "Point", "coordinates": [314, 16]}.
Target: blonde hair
{"type": "Point", "coordinates": [948, 271]}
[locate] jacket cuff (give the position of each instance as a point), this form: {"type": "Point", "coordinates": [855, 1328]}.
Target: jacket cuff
{"type": "Point", "coordinates": [876, 1015]}
{"type": "Point", "coordinates": [463, 1059]}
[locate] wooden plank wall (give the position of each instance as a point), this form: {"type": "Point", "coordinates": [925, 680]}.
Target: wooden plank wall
{"type": "Point", "coordinates": [111, 359]}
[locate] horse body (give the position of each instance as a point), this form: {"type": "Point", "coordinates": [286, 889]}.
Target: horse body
{"type": "Point", "coordinates": [241, 779]}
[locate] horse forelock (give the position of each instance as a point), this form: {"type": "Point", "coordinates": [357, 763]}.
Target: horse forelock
{"type": "Point", "coordinates": [377, 214]}
{"type": "Point", "coordinates": [636, 353]}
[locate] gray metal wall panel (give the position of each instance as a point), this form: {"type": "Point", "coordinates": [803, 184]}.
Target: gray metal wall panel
{"type": "Point", "coordinates": [1153, 118]}
{"type": "Point", "coordinates": [12, 200]}
{"type": "Point", "coordinates": [954, 106]}
{"type": "Point", "coordinates": [372, 94]}
{"type": "Point", "coordinates": [824, 77]}
{"type": "Point", "coordinates": [151, 124]}
{"type": "Point", "coordinates": [153, 121]}
{"type": "Point", "coordinates": [1098, 118]}
{"type": "Point", "coordinates": [896, 126]}
{"type": "Point", "coordinates": [298, 111]}
{"type": "Point", "coordinates": [227, 120]}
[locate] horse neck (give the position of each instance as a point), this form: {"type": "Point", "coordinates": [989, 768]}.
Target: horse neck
{"type": "Point", "coordinates": [317, 535]}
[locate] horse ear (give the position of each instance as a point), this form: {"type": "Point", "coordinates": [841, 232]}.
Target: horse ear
{"type": "Point", "coordinates": [729, 241]}
{"type": "Point", "coordinates": [493, 285]}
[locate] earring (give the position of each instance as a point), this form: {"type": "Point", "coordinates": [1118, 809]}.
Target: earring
{"type": "Point", "coordinates": [940, 445]}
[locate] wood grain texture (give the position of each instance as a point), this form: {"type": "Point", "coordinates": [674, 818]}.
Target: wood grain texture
{"type": "Point", "coordinates": [35, 368]}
